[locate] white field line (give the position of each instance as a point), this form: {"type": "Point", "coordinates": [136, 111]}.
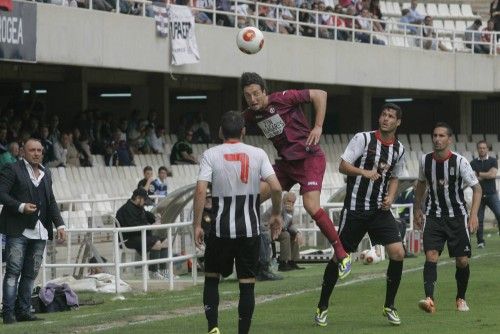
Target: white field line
{"type": "Point", "coordinates": [196, 310]}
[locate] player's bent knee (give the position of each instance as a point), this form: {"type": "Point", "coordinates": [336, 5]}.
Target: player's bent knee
{"type": "Point", "coordinates": [462, 262]}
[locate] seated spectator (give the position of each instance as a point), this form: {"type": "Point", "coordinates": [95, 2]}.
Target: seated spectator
{"type": "Point", "coordinates": [147, 182]}
{"type": "Point", "coordinates": [407, 18]}
{"type": "Point", "coordinates": [3, 139]}
{"type": "Point", "coordinates": [60, 150]}
{"type": "Point", "coordinates": [200, 16]}
{"type": "Point", "coordinates": [73, 156]}
{"type": "Point", "coordinates": [48, 146]}
{"type": "Point", "coordinates": [156, 139]}
{"type": "Point", "coordinates": [110, 156]}
{"type": "Point", "coordinates": [286, 15]}
{"type": "Point", "coordinates": [360, 5]}
{"type": "Point", "coordinates": [430, 41]}
{"type": "Point", "coordinates": [306, 30]}
{"type": "Point", "coordinates": [415, 16]}
{"type": "Point", "coordinates": [363, 22]}
{"type": "Point", "coordinates": [472, 34]}
{"type": "Point", "coordinates": [84, 153]}
{"type": "Point", "coordinates": [124, 155]}
{"type": "Point", "coordinates": [132, 213]}
{"type": "Point", "coordinates": [11, 155]}
{"type": "Point", "coordinates": [200, 130]}
{"type": "Point", "coordinates": [85, 147]}
{"type": "Point", "coordinates": [290, 238]}
{"type": "Point", "coordinates": [487, 33]}
{"type": "Point", "coordinates": [182, 151]}
{"type": "Point", "coordinates": [270, 12]}
{"type": "Point", "coordinates": [160, 184]}
{"type": "Point", "coordinates": [346, 3]}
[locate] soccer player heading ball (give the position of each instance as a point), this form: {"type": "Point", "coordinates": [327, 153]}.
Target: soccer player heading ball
{"type": "Point", "coordinates": [282, 121]}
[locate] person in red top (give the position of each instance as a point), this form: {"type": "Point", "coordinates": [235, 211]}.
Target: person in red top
{"type": "Point", "coordinates": [281, 120]}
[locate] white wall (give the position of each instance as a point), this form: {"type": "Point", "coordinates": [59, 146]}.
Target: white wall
{"type": "Point", "coordinates": [99, 39]}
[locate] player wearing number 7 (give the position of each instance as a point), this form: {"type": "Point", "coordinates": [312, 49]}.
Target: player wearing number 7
{"type": "Point", "coordinates": [302, 161]}
{"type": "Point", "coordinates": [235, 170]}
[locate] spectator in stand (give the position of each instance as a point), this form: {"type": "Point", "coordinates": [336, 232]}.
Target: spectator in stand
{"type": "Point", "coordinates": [346, 3]}
{"type": "Point", "coordinates": [407, 18]}
{"type": "Point", "coordinates": [124, 155]}
{"type": "Point", "coordinates": [3, 139]}
{"type": "Point", "coordinates": [487, 33]}
{"type": "Point", "coordinates": [73, 156]}
{"type": "Point", "coordinates": [270, 12]}
{"type": "Point", "coordinates": [416, 16]}
{"type": "Point", "coordinates": [48, 146]}
{"type": "Point", "coordinates": [363, 22]}
{"type": "Point", "coordinates": [306, 30]}
{"type": "Point", "coordinates": [182, 151]}
{"type": "Point", "coordinates": [147, 182]}
{"type": "Point", "coordinates": [360, 5]}
{"type": "Point", "coordinates": [55, 134]}
{"type": "Point", "coordinates": [60, 149]}
{"type": "Point", "coordinates": [495, 15]}
{"type": "Point", "coordinates": [431, 42]}
{"type": "Point", "coordinates": [286, 15]}
{"type": "Point", "coordinates": [340, 23]}
{"type": "Point", "coordinates": [156, 139]}
{"type": "Point", "coordinates": [85, 147]}
{"type": "Point", "coordinates": [200, 16]}
{"type": "Point", "coordinates": [472, 34]}
{"type": "Point", "coordinates": [11, 155]}
{"type": "Point", "coordinates": [85, 156]}
{"type": "Point", "coordinates": [201, 130]}
{"type": "Point", "coordinates": [13, 130]}
{"type": "Point", "coordinates": [160, 184]}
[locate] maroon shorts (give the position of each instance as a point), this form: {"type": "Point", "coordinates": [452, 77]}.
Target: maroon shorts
{"type": "Point", "coordinates": [307, 172]}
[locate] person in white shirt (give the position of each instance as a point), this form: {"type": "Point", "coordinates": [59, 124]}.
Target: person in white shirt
{"type": "Point", "coordinates": [28, 214]}
{"type": "Point", "coordinates": [235, 170]}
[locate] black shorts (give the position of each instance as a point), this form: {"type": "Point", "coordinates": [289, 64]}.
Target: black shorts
{"type": "Point", "coordinates": [454, 231]}
{"type": "Point", "coordinates": [380, 225]}
{"type": "Point", "coordinates": [134, 242]}
{"type": "Point", "coordinates": [222, 253]}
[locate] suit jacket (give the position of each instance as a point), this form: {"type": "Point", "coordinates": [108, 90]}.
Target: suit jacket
{"type": "Point", "coordinates": [16, 188]}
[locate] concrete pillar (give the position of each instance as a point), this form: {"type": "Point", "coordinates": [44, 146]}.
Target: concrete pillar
{"type": "Point", "coordinates": [158, 98]}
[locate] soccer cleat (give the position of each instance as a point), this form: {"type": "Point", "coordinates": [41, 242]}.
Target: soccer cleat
{"type": "Point", "coordinates": [345, 267]}
{"type": "Point", "coordinates": [462, 305]}
{"type": "Point", "coordinates": [427, 305]}
{"type": "Point", "coordinates": [320, 317]}
{"type": "Point", "coordinates": [480, 245]}
{"type": "Point", "coordinates": [214, 330]}
{"type": "Point", "coordinates": [392, 315]}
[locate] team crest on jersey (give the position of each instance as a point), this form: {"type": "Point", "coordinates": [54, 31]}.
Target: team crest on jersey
{"type": "Point", "coordinates": [452, 171]}
{"type": "Point", "coordinates": [441, 183]}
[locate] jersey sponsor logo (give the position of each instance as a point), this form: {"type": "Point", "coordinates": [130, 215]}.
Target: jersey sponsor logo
{"type": "Point", "coordinates": [312, 183]}
{"type": "Point", "coordinates": [272, 126]}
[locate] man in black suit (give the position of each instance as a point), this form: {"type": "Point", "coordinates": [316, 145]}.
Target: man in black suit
{"type": "Point", "coordinates": [29, 210]}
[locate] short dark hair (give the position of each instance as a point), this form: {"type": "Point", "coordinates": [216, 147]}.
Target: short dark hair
{"type": "Point", "coordinates": [395, 107]}
{"type": "Point", "coordinates": [250, 78]}
{"type": "Point", "coordinates": [483, 142]}
{"type": "Point", "coordinates": [147, 168]}
{"type": "Point", "coordinates": [162, 168]}
{"type": "Point", "coordinates": [448, 128]}
{"type": "Point", "coordinates": [478, 22]}
{"type": "Point", "coordinates": [232, 124]}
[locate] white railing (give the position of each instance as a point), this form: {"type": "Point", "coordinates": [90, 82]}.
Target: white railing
{"type": "Point", "coordinates": [394, 30]}
{"type": "Point", "coordinates": [116, 263]}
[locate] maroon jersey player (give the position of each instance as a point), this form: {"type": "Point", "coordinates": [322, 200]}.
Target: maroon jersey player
{"type": "Point", "coordinates": [281, 120]}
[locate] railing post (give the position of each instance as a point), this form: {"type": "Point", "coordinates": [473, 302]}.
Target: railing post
{"type": "Point", "coordinates": [170, 263]}
{"type": "Point", "coordinates": [144, 257]}
{"type": "Point", "coordinates": [117, 6]}
{"type": "Point", "coordinates": [117, 259]}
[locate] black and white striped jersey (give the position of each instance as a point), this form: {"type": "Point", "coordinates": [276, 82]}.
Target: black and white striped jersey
{"type": "Point", "coordinates": [446, 179]}
{"type": "Point", "coordinates": [235, 170]}
{"type": "Point", "coordinates": [368, 151]}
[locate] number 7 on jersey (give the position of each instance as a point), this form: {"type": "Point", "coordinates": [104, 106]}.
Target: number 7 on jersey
{"type": "Point", "coordinates": [244, 161]}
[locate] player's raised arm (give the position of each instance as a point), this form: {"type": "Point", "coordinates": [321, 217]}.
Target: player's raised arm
{"type": "Point", "coordinates": [318, 100]}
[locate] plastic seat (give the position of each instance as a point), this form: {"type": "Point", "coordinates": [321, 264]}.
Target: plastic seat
{"type": "Point", "coordinates": [443, 10]}
{"type": "Point", "coordinates": [491, 138]}
{"type": "Point", "coordinates": [432, 10]}
{"type": "Point", "coordinates": [467, 11]}
{"type": "Point", "coordinates": [477, 137]}
{"type": "Point", "coordinates": [455, 11]}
